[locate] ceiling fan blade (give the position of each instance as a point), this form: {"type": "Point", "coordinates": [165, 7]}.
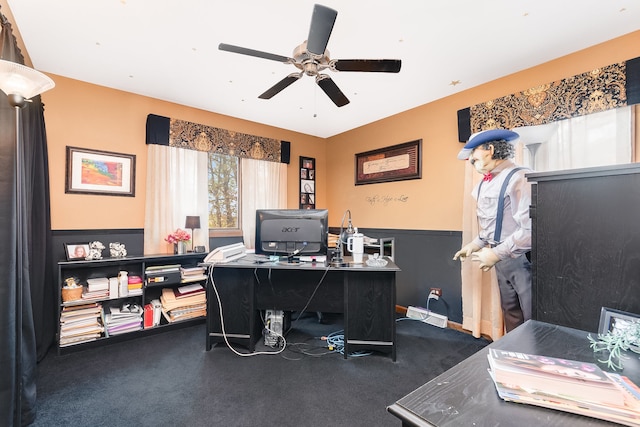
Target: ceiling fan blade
{"type": "Point", "coordinates": [252, 52]}
{"type": "Point", "coordinates": [332, 90]}
{"type": "Point", "coordinates": [280, 86]}
{"type": "Point", "coordinates": [322, 21]}
{"type": "Point", "coordinates": [369, 65]}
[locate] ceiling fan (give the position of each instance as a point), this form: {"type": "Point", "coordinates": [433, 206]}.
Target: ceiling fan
{"type": "Point", "coordinates": [311, 57]}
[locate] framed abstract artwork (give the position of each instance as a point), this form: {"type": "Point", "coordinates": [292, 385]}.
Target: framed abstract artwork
{"type": "Point", "coordinates": [100, 172]}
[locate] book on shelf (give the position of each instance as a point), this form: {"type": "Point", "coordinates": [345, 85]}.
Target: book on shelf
{"type": "Point", "coordinates": [82, 330]}
{"type": "Point", "coordinates": [79, 322]}
{"type": "Point", "coordinates": [170, 302]}
{"type": "Point", "coordinates": [134, 279]}
{"type": "Point", "coordinates": [184, 314]}
{"type": "Point", "coordinates": [148, 316]}
{"type": "Point", "coordinates": [566, 385]}
{"type": "Point", "coordinates": [193, 278]}
{"type": "Point", "coordinates": [193, 271]}
{"type": "Point", "coordinates": [98, 284]}
{"type": "Point", "coordinates": [80, 310]}
{"type": "Point", "coordinates": [95, 295]}
{"type": "Point", "coordinates": [157, 269]}
{"type": "Point", "coordinates": [68, 341]}
{"type": "Point", "coordinates": [188, 290]}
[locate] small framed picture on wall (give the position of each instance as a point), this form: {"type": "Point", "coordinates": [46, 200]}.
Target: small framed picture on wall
{"type": "Point", "coordinates": [307, 182]}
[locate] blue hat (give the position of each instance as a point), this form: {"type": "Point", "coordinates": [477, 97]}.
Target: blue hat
{"type": "Point", "coordinates": [483, 137]}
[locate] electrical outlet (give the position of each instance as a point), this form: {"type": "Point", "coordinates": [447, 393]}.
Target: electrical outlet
{"type": "Point", "coordinates": [436, 291]}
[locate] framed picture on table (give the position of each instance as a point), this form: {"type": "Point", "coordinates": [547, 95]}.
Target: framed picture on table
{"type": "Point", "coordinates": [612, 319]}
{"type": "Point", "coordinates": [307, 182]}
{"type": "Point", "coordinates": [76, 251]}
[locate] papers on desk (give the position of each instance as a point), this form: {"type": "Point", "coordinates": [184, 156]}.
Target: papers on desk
{"type": "Point", "coordinates": [565, 385]}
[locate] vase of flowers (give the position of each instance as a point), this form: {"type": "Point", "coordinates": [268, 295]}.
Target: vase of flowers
{"type": "Point", "coordinates": [179, 239]}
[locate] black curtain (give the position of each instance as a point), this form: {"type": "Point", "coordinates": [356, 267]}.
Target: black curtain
{"type": "Point", "coordinates": [38, 301]}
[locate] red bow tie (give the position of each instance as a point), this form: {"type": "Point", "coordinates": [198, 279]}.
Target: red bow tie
{"type": "Point", "coordinates": [487, 176]}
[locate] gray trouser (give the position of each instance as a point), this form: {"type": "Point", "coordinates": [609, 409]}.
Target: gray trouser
{"type": "Point", "coordinates": [514, 282]}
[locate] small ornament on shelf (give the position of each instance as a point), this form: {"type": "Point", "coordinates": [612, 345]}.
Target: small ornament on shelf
{"type": "Point", "coordinates": [117, 250]}
{"type": "Point", "coordinates": [95, 250]}
{"type": "Point", "coordinates": [72, 290]}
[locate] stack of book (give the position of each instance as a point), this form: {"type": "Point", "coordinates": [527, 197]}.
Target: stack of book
{"type": "Point", "coordinates": [97, 288]}
{"type": "Point", "coordinates": [135, 285]}
{"type": "Point", "coordinates": [193, 274]}
{"type": "Point", "coordinates": [80, 323]}
{"type": "Point", "coordinates": [566, 385]}
{"type": "Point", "coordinates": [122, 319]}
{"type": "Point", "coordinates": [185, 302]}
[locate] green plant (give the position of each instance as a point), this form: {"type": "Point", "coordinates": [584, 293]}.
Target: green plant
{"type": "Point", "coordinates": [621, 338]}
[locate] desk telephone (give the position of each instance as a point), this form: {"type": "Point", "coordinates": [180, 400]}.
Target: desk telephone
{"type": "Point", "coordinates": [226, 253]}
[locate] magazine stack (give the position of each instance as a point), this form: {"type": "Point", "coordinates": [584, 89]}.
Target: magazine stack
{"type": "Point", "coordinates": [566, 385]}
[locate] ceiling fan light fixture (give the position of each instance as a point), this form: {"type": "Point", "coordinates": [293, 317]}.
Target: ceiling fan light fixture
{"type": "Point", "coordinates": [310, 68]}
{"type": "Point", "coordinates": [312, 57]}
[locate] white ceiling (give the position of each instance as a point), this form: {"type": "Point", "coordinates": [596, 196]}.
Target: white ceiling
{"type": "Point", "coordinates": [168, 49]}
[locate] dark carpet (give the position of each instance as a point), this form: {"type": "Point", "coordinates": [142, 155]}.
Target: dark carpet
{"type": "Point", "coordinates": [170, 379]}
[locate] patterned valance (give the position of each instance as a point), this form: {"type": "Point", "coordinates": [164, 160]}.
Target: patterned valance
{"type": "Point", "coordinates": [613, 86]}
{"type": "Point", "coordinates": [194, 136]}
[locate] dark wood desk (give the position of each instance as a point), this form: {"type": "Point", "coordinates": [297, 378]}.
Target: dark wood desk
{"type": "Point", "coordinates": [466, 396]}
{"type": "Point", "coordinates": [366, 295]}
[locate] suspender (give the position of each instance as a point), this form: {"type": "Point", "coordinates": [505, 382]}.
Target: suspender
{"type": "Point", "coordinates": [498, 231]}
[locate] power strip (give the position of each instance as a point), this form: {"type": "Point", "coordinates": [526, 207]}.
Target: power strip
{"type": "Point", "coordinates": [427, 316]}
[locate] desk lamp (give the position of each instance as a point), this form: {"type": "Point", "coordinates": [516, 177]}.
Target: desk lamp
{"type": "Point", "coordinates": [20, 83]}
{"type": "Point", "coordinates": [338, 259]}
{"type": "Point", "coordinates": [192, 223]}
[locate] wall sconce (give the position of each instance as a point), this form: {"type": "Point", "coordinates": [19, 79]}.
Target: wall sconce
{"type": "Point", "coordinates": [192, 223]}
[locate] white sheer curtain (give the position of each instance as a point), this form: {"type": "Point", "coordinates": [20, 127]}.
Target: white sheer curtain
{"type": "Point", "coordinates": [263, 186]}
{"type": "Point", "coordinates": [481, 310]}
{"type": "Point", "coordinates": [599, 139]}
{"type": "Point", "coordinates": [177, 186]}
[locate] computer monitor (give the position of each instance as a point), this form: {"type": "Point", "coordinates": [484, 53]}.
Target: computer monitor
{"type": "Point", "coordinates": [292, 232]}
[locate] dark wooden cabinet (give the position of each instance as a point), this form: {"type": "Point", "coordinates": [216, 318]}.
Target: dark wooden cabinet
{"type": "Point", "coordinates": [110, 267]}
{"type": "Point", "coordinates": [586, 244]}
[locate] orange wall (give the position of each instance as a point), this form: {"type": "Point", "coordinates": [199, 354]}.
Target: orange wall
{"type": "Point", "coordinates": [435, 201]}
{"type": "Point", "coordinates": [84, 115]}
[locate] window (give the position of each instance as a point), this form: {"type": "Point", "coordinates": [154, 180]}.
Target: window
{"type": "Point", "coordinates": [598, 139]}
{"type": "Point", "coordinates": [224, 193]}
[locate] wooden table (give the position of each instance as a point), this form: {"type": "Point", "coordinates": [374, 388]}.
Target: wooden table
{"type": "Point", "coordinates": [465, 395]}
